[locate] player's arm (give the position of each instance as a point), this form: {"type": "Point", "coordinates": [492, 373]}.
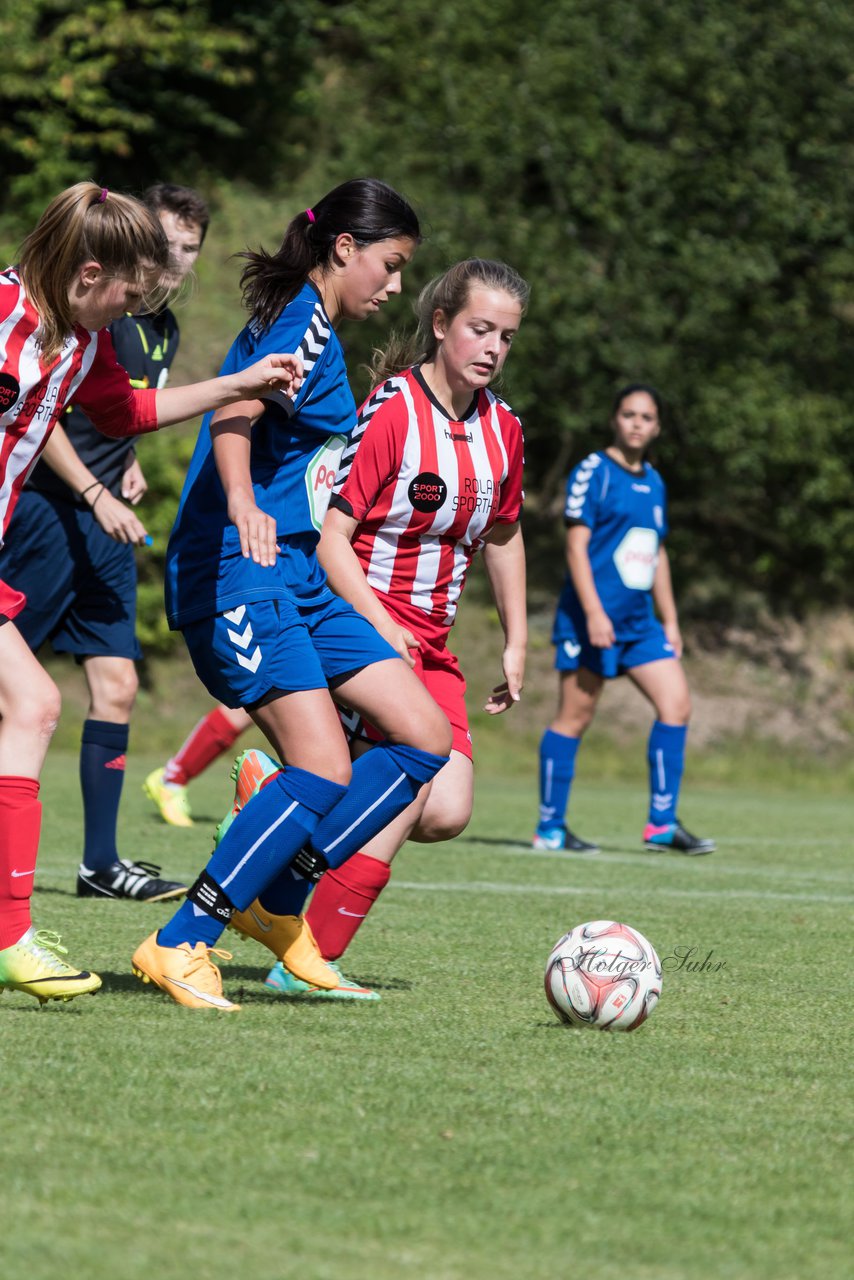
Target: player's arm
{"type": "Point", "coordinates": [117, 409]}
{"type": "Point", "coordinates": [504, 561]}
{"type": "Point", "coordinates": [599, 626]}
{"type": "Point", "coordinates": [231, 430]}
{"type": "Point", "coordinates": [113, 516]}
{"type": "Point", "coordinates": [665, 602]}
{"type": "Point", "coordinates": [272, 373]}
{"type": "Point", "coordinates": [347, 579]}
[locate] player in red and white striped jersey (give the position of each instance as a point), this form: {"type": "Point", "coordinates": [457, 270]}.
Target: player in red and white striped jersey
{"type": "Point", "coordinates": [93, 256]}
{"type": "Point", "coordinates": [432, 476]}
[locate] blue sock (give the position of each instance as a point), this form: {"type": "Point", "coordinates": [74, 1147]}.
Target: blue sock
{"type": "Point", "coordinates": [258, 845]}
{"type": "Point", "coordinates": [102, 774]}
{"type": "Point", "coordinates": [385, 781]}
{"type": "Point", "coordinates": [666, 756]}
{"type": "Point", "coordinates": [557, 769]}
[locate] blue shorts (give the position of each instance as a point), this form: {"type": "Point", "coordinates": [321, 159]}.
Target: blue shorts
{"type": "Point", "coordinates": [257, 648]}
{"type": "Point", "coordinates": [628, 652]}
{"type": "Point", "coordinates": [79, 582]}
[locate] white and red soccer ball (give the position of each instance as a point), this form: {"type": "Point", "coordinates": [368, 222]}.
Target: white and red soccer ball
{"type": "Point", "coordinates": [604, 975]}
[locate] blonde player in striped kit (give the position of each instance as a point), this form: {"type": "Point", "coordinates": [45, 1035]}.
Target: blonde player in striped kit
{"type": "Point", "coordinates": [93, 256]}
{"type": "Point", "coordinates": [433, 475]}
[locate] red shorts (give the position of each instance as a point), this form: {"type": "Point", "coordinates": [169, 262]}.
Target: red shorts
{"type": "Point", "coordinates": [11, 602]}
{"type": "Point", "coordinates": [439, 672]}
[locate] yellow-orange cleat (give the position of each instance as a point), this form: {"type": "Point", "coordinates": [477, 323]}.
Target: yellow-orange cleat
{"type": "Point", "coordinates": [290, 939]}
{"type": "Point", "coordinates": [185, 973]}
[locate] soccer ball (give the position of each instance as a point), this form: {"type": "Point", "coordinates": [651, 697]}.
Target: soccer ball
{"type": "Point", "coordinates": [603, 975]}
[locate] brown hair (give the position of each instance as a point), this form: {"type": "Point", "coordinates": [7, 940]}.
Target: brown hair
{"type": "Point", "coordinates": [86, 222]}
{"type": "Point", "coordinates": [184, 202]}
{"type": "Point", "coordinates": [447, 293]}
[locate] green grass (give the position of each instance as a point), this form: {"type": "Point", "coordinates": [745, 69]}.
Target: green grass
{"type": "Point", "coordinates": [454, 1131]}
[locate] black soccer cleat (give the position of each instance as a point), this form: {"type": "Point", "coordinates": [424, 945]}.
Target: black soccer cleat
{"type": "Point", "coordinates": [126, 879]}
{"type": "Point", "coordinates": [674, 836]}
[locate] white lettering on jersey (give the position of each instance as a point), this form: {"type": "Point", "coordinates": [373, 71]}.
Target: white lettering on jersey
{"type": "Point", "coordinates": [320, 477]}
{"type": "Point", "coordinates": [636, 558]}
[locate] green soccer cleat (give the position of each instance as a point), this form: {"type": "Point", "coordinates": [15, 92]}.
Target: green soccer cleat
{"type": "Point", "coordinates": [249, 772]}
{"type": "Point", "coordinates": [170, 799]}
{"type": "Point", "coordinates": [35, 966]}
{"type": "Point", "coordinates": [285, 984]}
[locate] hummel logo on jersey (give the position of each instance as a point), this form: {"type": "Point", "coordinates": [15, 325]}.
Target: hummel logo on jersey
{"type": "Point", "coordinates": [243, 639]}
{"type": "Point", "coordinates": [641, 488]}
{"type": "Point", "coordinates": [459, 435]}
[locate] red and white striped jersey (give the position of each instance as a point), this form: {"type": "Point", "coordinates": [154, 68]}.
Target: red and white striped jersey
{"type": "Point", "coordinates": [33, 395]}
{"type": "Point", "coordinates": [426, 489]}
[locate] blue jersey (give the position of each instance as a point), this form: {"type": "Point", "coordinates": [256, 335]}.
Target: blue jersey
{"type": "Point", "coordinates": [626, 513]}
{"type": "Point", "coordinates": [294, 452]}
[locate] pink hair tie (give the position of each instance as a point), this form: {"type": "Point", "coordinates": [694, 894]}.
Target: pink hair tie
{"type": "Point", "coordinates": [103, 196]}
{"type": "Point", "coordinates": [309, 213]}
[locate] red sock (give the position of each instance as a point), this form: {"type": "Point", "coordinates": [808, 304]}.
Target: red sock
{"type": "Point", "coordinates": [341, 901]}
{"type": "Point", "coordinates": [211, 737]}
{"type": "Point", "coordinates": [20, 823]}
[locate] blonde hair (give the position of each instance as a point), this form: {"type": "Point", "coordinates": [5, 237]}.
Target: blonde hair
{"type": "Point", "coordinates": [447, 293]}
{"type": "Point", "coordinates": [86, 222]}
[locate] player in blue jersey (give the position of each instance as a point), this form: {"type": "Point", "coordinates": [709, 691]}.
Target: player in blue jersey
{"type": "Point", "coordinates": [264, 630]}
{"type": "Point", "coordinates": [606, 626]}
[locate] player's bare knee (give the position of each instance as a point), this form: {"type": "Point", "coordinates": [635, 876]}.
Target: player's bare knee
{"type": "Point", "coordinates": [37, 711]}
{"type": "Point", "coordinates": [434, 828]}
{"type": "Point", "coordinates": [118, 695]}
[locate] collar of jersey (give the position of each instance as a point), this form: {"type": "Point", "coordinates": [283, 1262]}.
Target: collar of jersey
{"type": "Point", "coordinates": [469, 413]}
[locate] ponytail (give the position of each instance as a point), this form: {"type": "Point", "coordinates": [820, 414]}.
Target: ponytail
{"type": "Point", "coordinates": [364, 208]}
{"type": "Point", "coordinates": [86, 222]}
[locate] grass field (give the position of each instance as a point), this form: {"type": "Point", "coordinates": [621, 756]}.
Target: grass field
{"type": "Point", "coordinates": [454, 1131]}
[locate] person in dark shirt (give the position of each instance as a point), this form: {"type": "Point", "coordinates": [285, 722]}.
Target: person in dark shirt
{"type": "Point", "coordinates": [76, 513]}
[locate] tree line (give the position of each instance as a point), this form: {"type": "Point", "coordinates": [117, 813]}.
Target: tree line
{"type": "Point", "coordinates": [675, 181]}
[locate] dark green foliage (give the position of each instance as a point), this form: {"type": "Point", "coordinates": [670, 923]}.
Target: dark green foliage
{"type": "Point", "coordinates": [129, 91]}
{"type": "Point", "coordinates": [675, 180]}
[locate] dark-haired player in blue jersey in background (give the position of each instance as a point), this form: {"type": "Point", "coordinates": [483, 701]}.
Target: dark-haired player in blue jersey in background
{"type": "Point", "coordinates": [606, 625]}
{"type": "Point", "coordinates": [264, 630]}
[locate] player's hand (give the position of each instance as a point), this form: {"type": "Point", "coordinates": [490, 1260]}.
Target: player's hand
{"type": "Point", "coordinates": [273, 373]}
{"type": "Point", "coordinates": [674, 636]}
{"type": "Point", "coordinates": [504, 695]}
{"type": "Point", "coordinates": [600, 629]}
{"type": "Point", "coordinates": [401, 640]}
{"type": "Point", "coordinates": [257, 531]}
{"type": "Point", "coordinates": [117, 520]}
{"type": "Point", "coordinates": [134, 483]}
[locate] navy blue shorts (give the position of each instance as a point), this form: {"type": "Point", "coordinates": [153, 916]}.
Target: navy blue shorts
{"type": "Point", "coordinates": [80, 583]}
{"type": "Point", "coordinates": [257, 648]}
{"type": "Point", "coordinates": [575, 650]}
